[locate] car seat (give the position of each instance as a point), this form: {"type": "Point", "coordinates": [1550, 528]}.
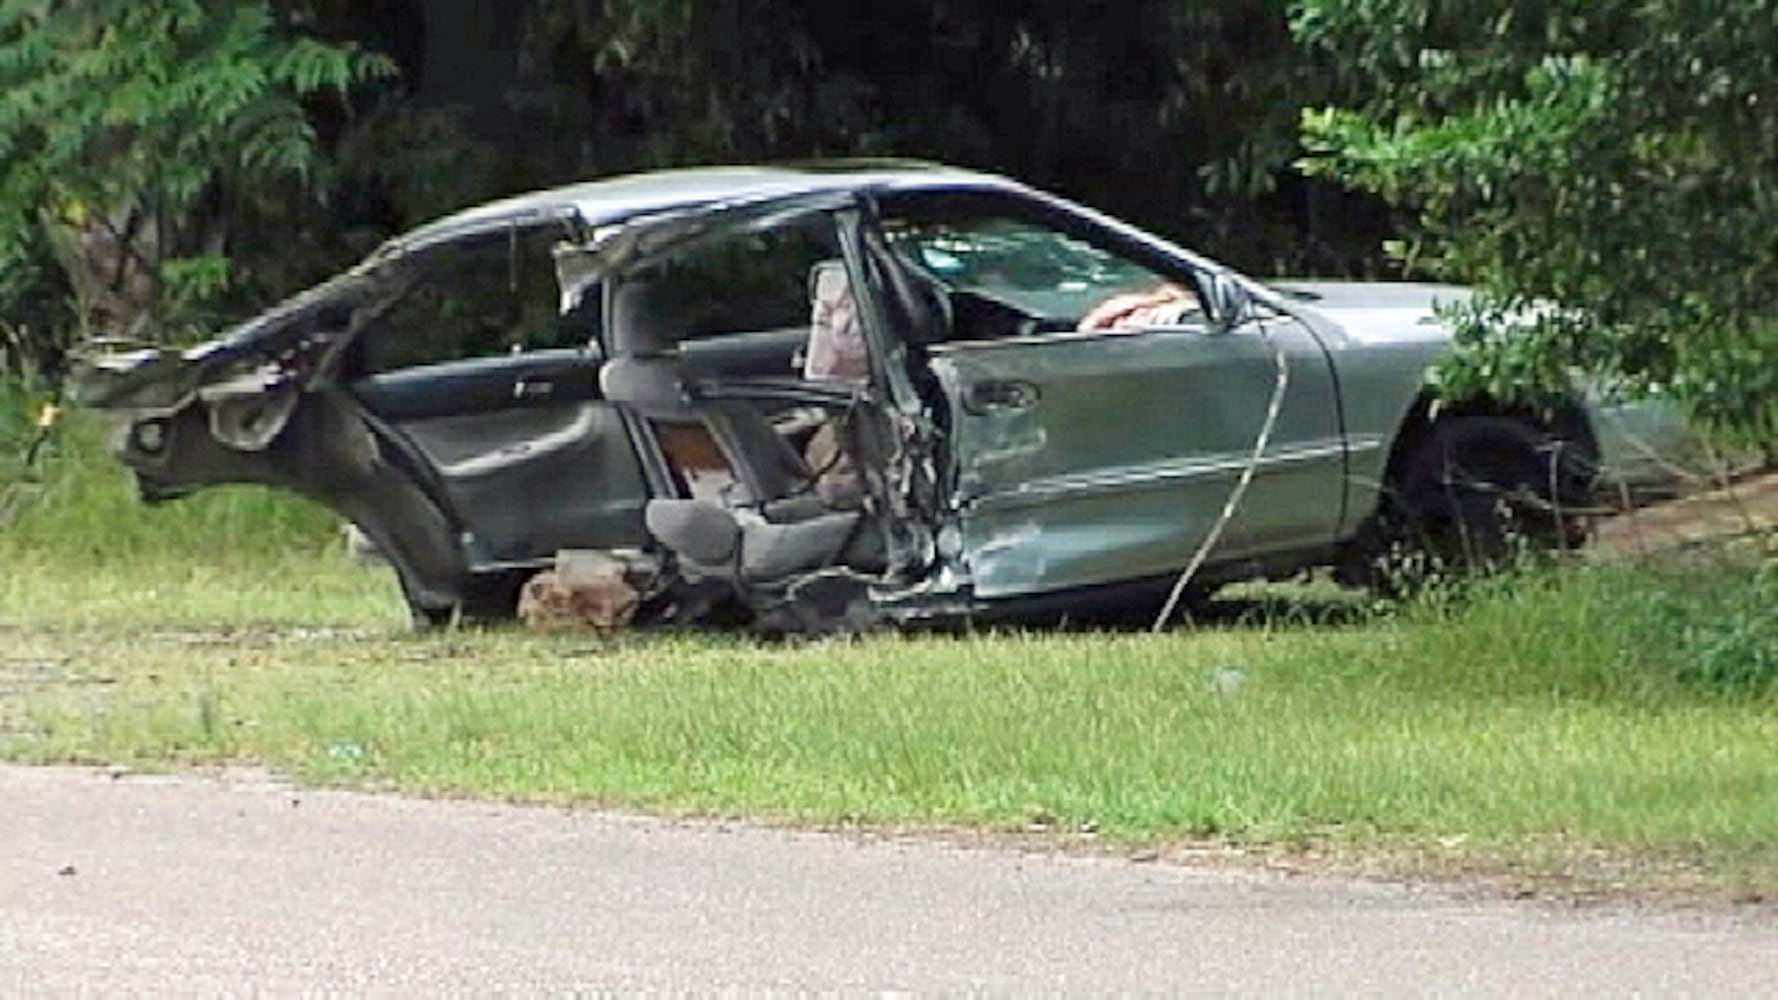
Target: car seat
{"type": "Point", "coordinates": [774, 526]}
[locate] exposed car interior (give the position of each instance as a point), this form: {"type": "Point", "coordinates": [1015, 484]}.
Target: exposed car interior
{"type": "Point", "coordinates": [745, 359]}
{"type": "Point", "coordinates": [755, 427]}
{"type": "Point", "coordinates": [1005, 272]}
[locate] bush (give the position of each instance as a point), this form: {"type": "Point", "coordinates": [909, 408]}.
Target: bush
{"type": "Point", "coordinates": [1588, 165]}
{"type": "Point", "coordinates": [1645, 634]}
{"type": "Point", "coordinates": [1725, 632]}
{"type": "Point", "coordinates": [16, 424]}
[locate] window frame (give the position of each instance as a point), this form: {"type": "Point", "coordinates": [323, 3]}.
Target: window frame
{"type": "Point", "coordinates": [416, 344]}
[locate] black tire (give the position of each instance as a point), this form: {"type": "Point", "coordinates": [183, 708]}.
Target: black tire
{"type": "Point", "coordinates": [1475, 492]}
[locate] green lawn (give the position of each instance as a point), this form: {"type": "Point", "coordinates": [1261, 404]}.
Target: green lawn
{"type": "Point", "coordinates": [1610, 723]}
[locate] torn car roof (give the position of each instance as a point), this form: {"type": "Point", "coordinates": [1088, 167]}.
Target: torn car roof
{"type": "Point", "coordinates": [602, 202]}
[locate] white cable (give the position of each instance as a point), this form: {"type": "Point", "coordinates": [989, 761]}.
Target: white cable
{"type": "Point", "coordinates": [1240, 489]}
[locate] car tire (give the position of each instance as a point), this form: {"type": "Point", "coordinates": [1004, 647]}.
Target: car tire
{"type": "Point", "coordinates": [1473, 494]}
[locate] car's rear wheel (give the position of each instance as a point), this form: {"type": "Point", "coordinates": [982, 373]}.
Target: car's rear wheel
{"type": "Point", "coordinates": [1475, 492]}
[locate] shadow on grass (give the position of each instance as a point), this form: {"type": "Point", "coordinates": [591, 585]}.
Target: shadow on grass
{"type": "Point", "coordinates": [1258, 606]}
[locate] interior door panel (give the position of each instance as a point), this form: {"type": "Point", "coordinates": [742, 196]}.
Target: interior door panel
{"type": "Point", "coordinates": [530, 458]}
{"type": "Point", "coordinates": [479, 385]}
{"type": "Point", "coordinates": [767, 352]}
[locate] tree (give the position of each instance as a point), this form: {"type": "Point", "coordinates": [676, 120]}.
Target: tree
{"type": "Point", "coordinates": [1606, 171]}
{"type": "Point", "coordinates": [183, 168]}
{"type": "Point", "coordinates": [1178, 114]}
{"type": "Point", "coordinates": [128, 130]}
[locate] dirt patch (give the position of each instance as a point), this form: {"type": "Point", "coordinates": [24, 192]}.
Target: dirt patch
{"type": "Point", "coordinates": [1744, 513]}
{"type": "Point", "coordinates": [1554, 874]}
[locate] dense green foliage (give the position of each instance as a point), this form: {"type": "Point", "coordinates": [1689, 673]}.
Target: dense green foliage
{"type": "Point", "coordinates": [1603, 169]}
{"type": "Point", "coordinates": [129, 131]}
{"type": "Point", "coordinates": [1600, 168]}
{"type": "Point", "coordinates": [1179, 115]}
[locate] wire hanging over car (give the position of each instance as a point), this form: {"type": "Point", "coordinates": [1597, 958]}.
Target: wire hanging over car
{"type": "Point", "coordinates": [1239, 491]}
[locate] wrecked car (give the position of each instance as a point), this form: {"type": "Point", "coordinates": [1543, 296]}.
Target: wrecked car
{"type": "Point", "coordinates": [839, 394]}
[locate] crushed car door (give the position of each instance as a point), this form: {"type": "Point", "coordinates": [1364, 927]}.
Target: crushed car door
{"type": "Point", "coordinates": [496, 388]}
{"type": "Point", "coordinates": [1079, 457]}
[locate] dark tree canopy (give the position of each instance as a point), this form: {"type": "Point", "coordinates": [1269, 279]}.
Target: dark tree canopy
{"type": "Point", "coordinates": [1179, 115]}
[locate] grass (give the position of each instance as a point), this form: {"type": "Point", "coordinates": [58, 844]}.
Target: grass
{"type": "Point", "coordinates": [1608, 724]}
{"type": "Point", "coordinates": [72, 503]}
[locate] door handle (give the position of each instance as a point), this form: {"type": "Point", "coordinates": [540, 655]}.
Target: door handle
{"type": "Point", "coordinates": [997, 394]}
{"type": "Point", "coordinates": [533, 389]}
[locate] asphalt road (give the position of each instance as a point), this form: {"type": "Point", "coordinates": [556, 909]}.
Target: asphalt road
{"type": "Point", "coordinates": [179, 885]}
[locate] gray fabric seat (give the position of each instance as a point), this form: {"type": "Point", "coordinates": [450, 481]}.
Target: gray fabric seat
{"type": "Point", "coordinates": [765, 466]}
{"type": "Point", "coordinates": [717, 543]}
{"type": "Point", "coordinates": [773, 528]}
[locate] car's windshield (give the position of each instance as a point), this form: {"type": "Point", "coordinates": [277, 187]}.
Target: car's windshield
{"type": "Point", "coordinates": [1043, 271]}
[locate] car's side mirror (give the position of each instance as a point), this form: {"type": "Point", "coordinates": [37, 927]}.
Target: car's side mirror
{"type": "Point", "coordinates": [1229, 303]}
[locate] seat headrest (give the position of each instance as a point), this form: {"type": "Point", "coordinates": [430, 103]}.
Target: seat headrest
{"type": "Point", "coordinates": [644, 319]}
{"type": "Point", "coordinates": [649, 387]}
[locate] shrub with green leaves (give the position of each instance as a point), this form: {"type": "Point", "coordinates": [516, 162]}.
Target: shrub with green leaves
{"type": "Point", "coordinates": [1725, 631]}
{"type": "Point", "coordinates": [127, 128]}
{"type": "Point", "coordinates": [1602, 169]}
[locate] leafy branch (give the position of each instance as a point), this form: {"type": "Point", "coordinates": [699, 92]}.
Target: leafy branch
{"type": "Point", "coordinates": [121, 111]}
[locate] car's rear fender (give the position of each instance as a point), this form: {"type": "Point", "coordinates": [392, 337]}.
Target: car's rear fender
{"type": "Point", "coordinates": [330, 451]}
